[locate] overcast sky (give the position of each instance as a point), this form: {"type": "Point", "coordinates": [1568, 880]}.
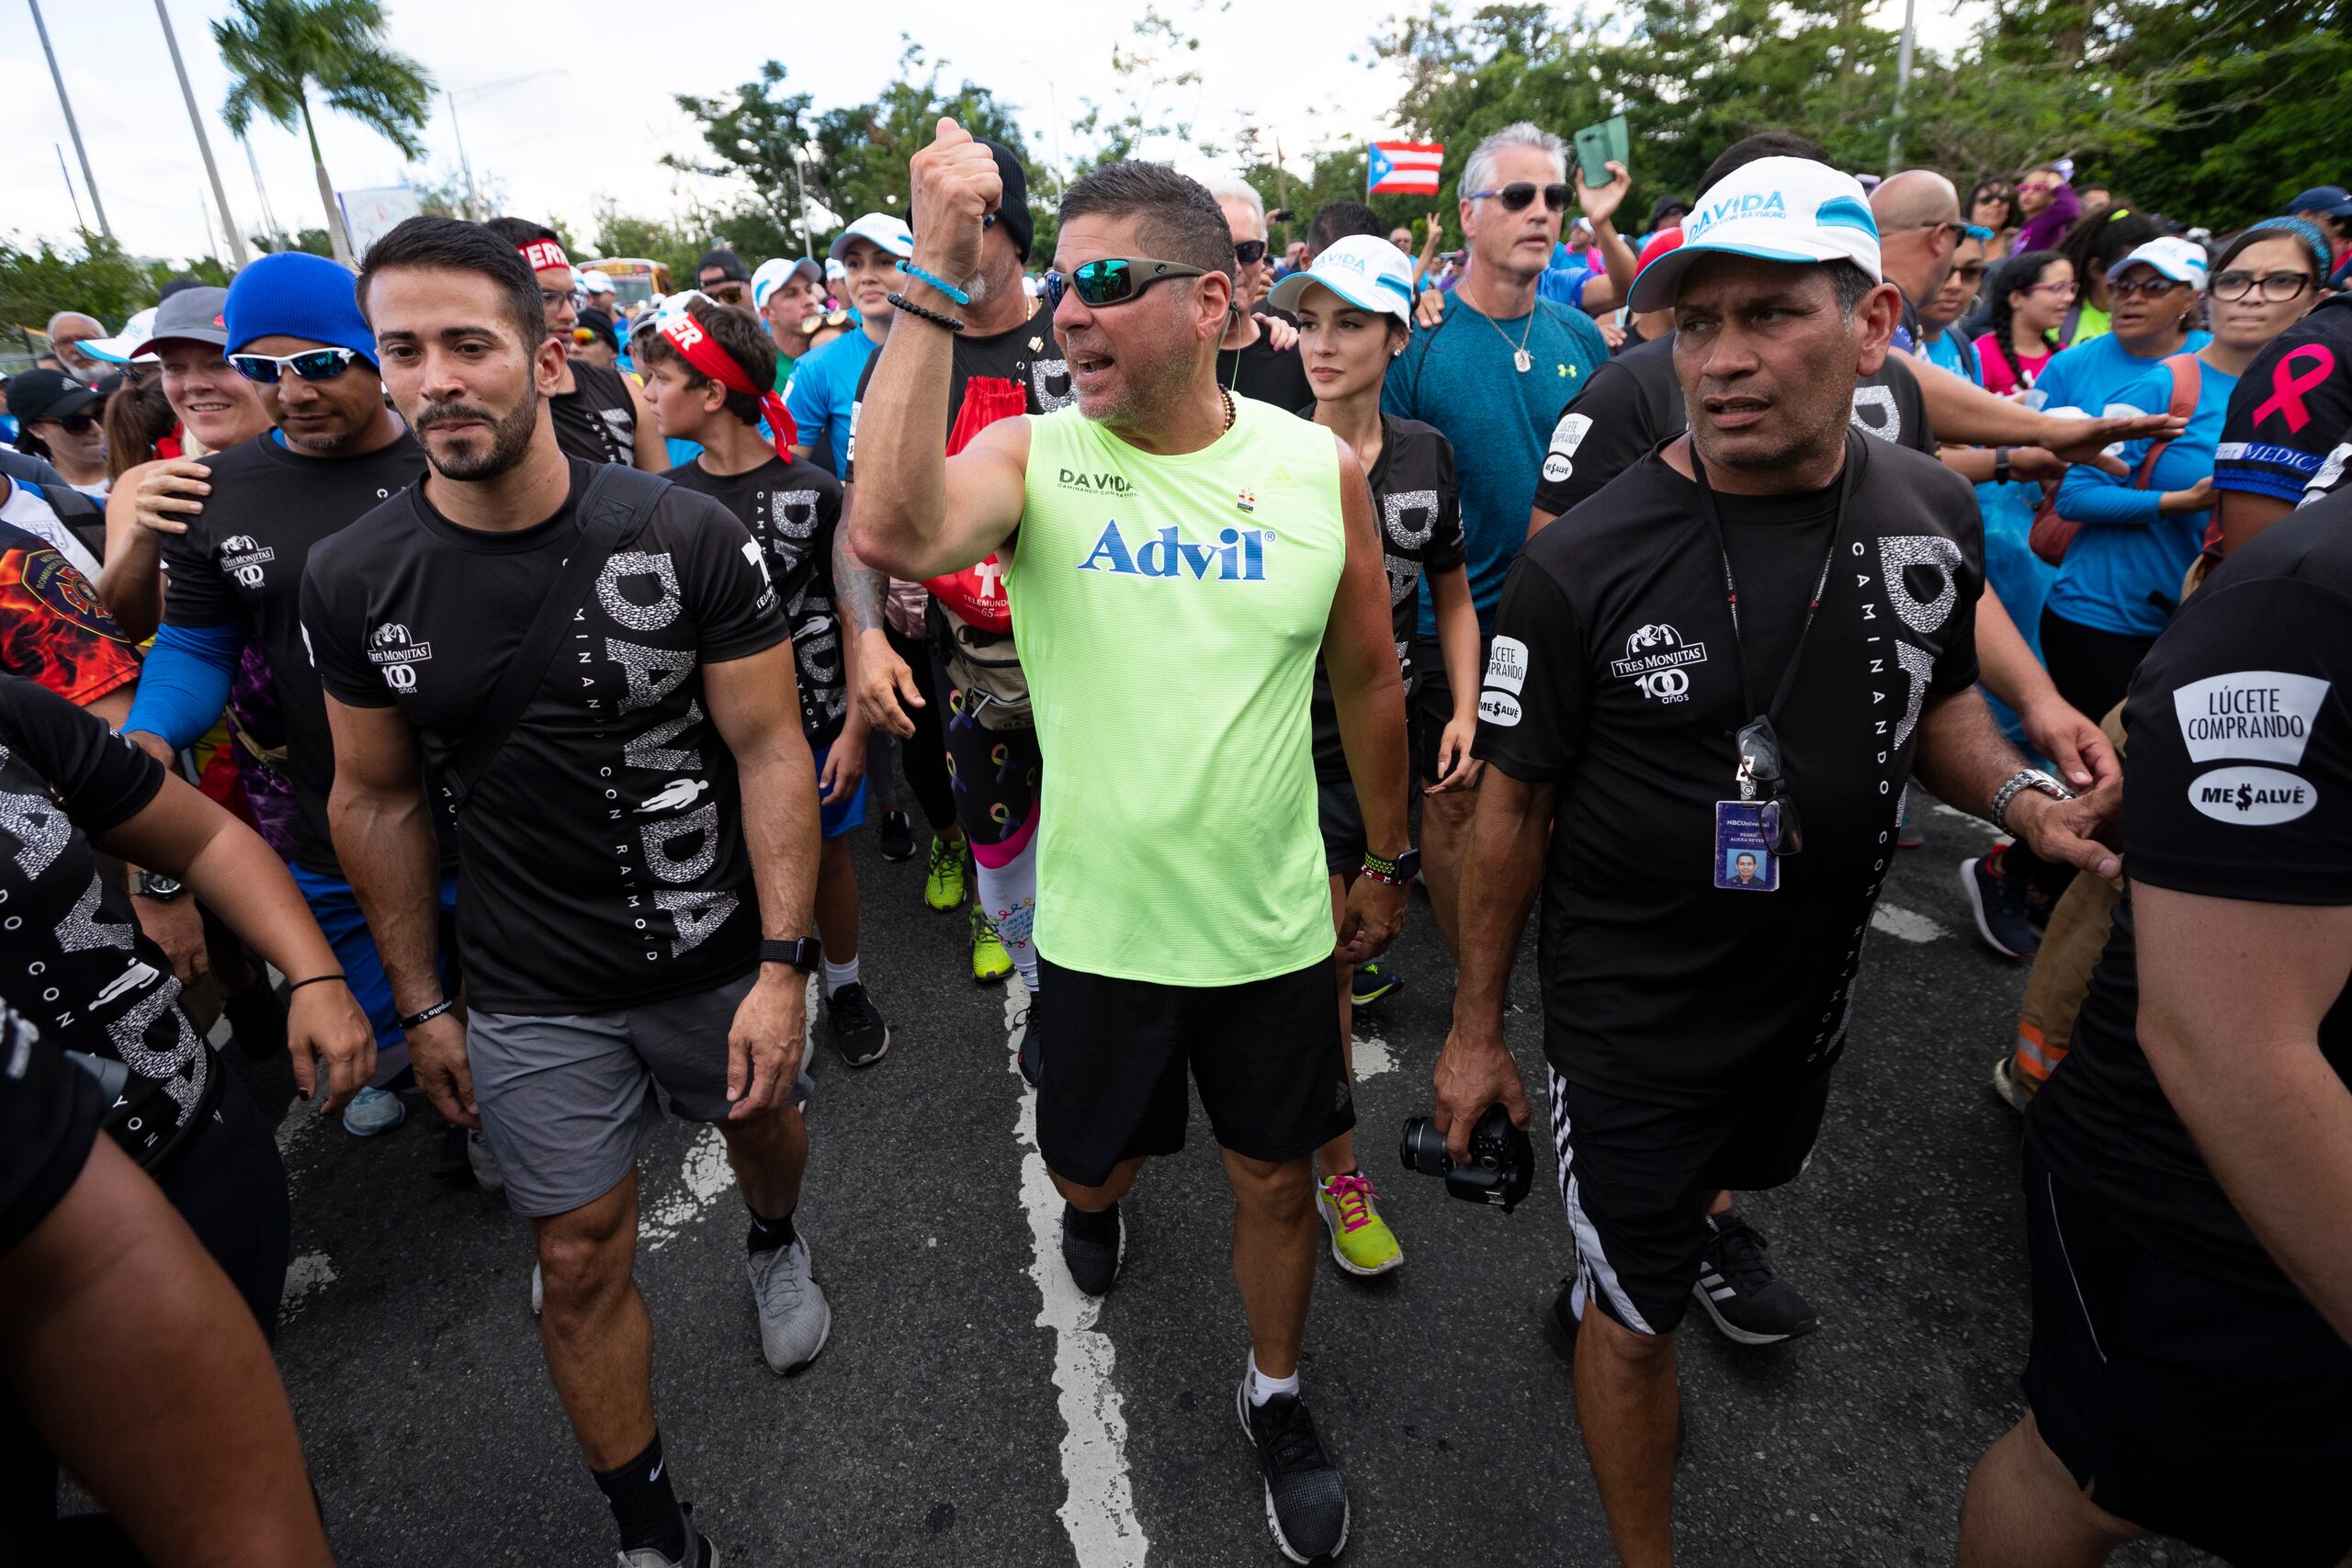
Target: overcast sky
{"type": "Point", "coordinates": [593, 114]}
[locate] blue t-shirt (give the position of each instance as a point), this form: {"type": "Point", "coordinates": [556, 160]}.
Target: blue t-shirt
{"type": "Point", "coordinates": [823, 392]}
{"type": "Point", "coordinates": [1565, 285]}
{"type": "Point", "coordinates": [1459, 377]}
{"type": "Point", "coordinates": [2091, 375]}
{"type": "Point", "coordinates": [2127, 550]}
{"type": "Point", "coordinates": [1955, 354]}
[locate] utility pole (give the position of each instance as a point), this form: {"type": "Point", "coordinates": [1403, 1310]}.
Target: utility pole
{"type": "Point", "coordinates": [203, 142]}
{"type": "Point", "coordinates": [70, 194]}
{"type": "Point", "coordinates": [72, 125]}
{"type": "Point", "coordinates": [1902, 89]}
{"type": "Point", "coordinates": [261, 194]}
{"type": "Point", "coordinates": [464, 163]}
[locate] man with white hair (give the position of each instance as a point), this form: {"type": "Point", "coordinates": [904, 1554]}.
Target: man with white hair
{"type": "Point", "coordinates": [1249, 361]}
{"type": "Point", "coordinates": [1491, 377]}
{"type": "Point", "coordinates": [68, 331]}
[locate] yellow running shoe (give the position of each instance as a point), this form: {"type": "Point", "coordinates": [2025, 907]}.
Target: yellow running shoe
{"type": "Point", "coordinates": [942, 885]}
{"type": "Point", "coordinates": [990, 962]}
{"type": "Point", "coordinates": [1362, 1242]}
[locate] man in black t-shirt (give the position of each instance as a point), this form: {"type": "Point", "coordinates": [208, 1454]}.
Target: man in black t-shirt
{"type": "Point", "coordinates": [600, 415]}
{"type": "Point", "coordinates": [1247, 361]}
{"type": "Point", "coordinates": [234, 581]}
{"type": "Point", "coordinates": [2187, 1194]}
{"type": "Point", "coordinates": [639, 849]}
{"type": "Point", "coordinates": [1747, 645]}
{"type": "Point", "coordinates": [707, 369]}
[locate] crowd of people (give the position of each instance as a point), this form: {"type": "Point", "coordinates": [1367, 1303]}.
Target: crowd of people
{"type": "Point", "coordinates": [473, 689]}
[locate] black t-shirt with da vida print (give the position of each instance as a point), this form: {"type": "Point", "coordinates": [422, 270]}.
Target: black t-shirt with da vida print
{"type": "Point", "coordinates": [1615, 675]}
{"type": "Point", "coordinates": [601, 855]}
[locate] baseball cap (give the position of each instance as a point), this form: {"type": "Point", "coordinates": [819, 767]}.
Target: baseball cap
{"type": "Point", "coordinates": [195, 314]}
{"type": "Point", "coordinates": [889, 234]}
{"type": "Point", "coordinates": [2327, 201]}
{"type": "Point", "coordinates": [596, 282]}
{"type": "Point", "coordinates": [1781, 209]}
{"type": "Point", "coordinates": [125, 344]}
{"type": "Point", "coordinates": [1658, 246]}
{"type": "Point", "coordinates": [730, 265]}
{"type": "Point", "coordinates": [2183, 261]}
{"type": "Point", "coordinates": [1665, 204]}
{"type": "Point", "coordinates": [48, 394]}
{"type": "Point", "coordinates": [835, 270]}
{"type": "Point", "coordinates": [1370, 274]}
{"type": "Point", "coordinates": [777, 271]}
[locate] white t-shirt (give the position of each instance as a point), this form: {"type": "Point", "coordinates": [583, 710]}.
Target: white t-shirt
{"type": "Point", "coordinates": [29, 509]}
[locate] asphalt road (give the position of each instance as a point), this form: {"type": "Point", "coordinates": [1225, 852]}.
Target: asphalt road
{"type": "Point", "coordinates": [972, 1409]}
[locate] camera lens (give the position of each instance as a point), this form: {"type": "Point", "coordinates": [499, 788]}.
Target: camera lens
{"type": "Point", "coordinates": [1423, 1147]}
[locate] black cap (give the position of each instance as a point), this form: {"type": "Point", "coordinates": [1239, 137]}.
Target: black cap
{"type": "Point", "coordinates": [178, 283]}
{"type": "Point", "coordinates": [48, 394]}
{"type": "Point", "coordinates": [730, 266]}
{"type": "Point", "coordinates": [1665, 204]}
{"type": "Point", "coordinates": [1012, 212]}
{"type": "Point", "coordinates": [598, 323]}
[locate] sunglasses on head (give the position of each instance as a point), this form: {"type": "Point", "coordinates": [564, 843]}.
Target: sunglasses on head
{"type": "Point", "coordinates": [1518, 196]}
{"type": "Point", "coordinates": [311, 364]}
{"type": "Point", "coordinates": [1113, 281]}
{"type": "Point", "coordinates": [1249, 252]}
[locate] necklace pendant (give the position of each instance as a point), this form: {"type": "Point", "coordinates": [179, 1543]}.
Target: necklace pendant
{"type": "Point", "coordinates": [1522, 361]}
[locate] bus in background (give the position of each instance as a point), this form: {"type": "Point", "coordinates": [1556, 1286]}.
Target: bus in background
{"type": "Point", "coordinates": [636, 280]}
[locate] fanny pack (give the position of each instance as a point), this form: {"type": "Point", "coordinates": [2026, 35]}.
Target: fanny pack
{"type": "Point", "coordinates": [986, 667]}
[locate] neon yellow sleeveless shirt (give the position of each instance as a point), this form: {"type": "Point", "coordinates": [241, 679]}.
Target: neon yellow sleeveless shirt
{"type": "Point", "coordinates": [1168, 612]}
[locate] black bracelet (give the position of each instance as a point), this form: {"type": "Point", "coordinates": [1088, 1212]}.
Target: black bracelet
{"type": "Point", "coordinates": [2000, 465]}
{"type": "Point", "coordinates": [444, 1005]}
{"type": "Point", "coordinates": [900, 302]}
{"type": "Point", "coordinates": [313, 980]}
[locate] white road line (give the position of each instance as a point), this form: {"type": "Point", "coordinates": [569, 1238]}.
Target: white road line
{"type": "Point", "coordinates": [705, 1177]}
{"type": "Point", "coordinates": [1906, 924]}
{"type": "Point", "coordinates": [1099, 1511]}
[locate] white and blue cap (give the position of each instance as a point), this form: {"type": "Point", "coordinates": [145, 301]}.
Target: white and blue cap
{"type": "Point", "coordinates": [1782, 210]}
{"type": "Point", "coordinates": [887, 234]}
{"type": "Point", "coordinates": [2181, 260]}
{"type": "Point", "coordinates": [1368, 273]}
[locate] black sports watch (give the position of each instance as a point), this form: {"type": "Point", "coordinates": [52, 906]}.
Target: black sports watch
{"type": "Point", "coordinates": [156, 885]}
{"type": "Point", "coordinates": [804, 954]}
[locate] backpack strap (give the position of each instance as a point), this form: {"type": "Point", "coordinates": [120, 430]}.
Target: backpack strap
{"type": "Point", "coordinates": [619, 503]}
{"type": "Point", "coordinates": [83, 517]}
{"type": "Point", "coordinates": [2188, 386]}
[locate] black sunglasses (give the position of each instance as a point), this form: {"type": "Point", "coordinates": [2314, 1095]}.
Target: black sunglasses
{"type": "Point", "coordinates": [1113, 281]}
{"type": "Point", "coordinates": [1759, 763]}
{"type": "Point", "coordinates": [1517, 196]}
{"type": "Point", "coordinates": [76, 423]}
{"type": "Point", "coordinates": [1249, 252]}
{"type": "Point", "coordinates": [311, 364]}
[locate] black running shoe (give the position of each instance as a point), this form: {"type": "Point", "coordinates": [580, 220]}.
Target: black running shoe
{"type": "Point", "coordinates": [1032, 1059]}
{"type": "Point", "coordinates": [1737, 1286]}
{"type": "Point", "coordinates": [1092, 1247]}
{"type": "Point", "coordinates": [896, 837]}
{"type": "Point", "coordinates": [1372, 982]}
{"type": "Point", "coordinates": [859, 1033]}
{"type": "Point", "coordinates": [1557, 1313]}
{"type": "Point", "coordinates": [1307, 1503]}
{"type": "Point", "coordinates": [257, 1018]}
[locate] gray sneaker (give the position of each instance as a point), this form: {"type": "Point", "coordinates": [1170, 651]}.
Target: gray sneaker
{"type": "Point", "coordinates": [484, 1163]}
{"type": "Point", "coordinates": [795, 1317]}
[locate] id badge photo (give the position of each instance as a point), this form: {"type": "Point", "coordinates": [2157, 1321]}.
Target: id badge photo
{"type": "Point", "coordinates": [1744, 860]}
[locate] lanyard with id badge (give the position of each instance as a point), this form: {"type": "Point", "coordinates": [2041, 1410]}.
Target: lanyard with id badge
{"type": "Point", "coordinates": [1754, 833]}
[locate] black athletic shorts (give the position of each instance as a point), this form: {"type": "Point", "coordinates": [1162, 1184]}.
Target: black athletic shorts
{"type": "Point", "coordinates": [1637, 1179]}
{"type": "Point", "coordinates": [1111, 1087]}
{"type": "Point", "coordinates": [1428, 707]}
{"type": "Point", "coordinates": [1341, 816]}
{"type": "Point", "coordinates": [2196, 1407]}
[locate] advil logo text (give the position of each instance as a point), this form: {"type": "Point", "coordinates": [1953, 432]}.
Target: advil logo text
{"type": "Point", "coordinates": [1238, 554]}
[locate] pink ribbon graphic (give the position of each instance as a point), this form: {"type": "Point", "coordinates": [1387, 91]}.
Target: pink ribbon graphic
{"type": "Point", "coordinates": [2287, 389]}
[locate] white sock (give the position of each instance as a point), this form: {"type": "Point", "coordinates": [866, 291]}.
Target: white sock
{"type": "Point", "coordinates": [1009, 896]}
{"type": "Point", "coordinates": [1263, 1388]}
{"type": "Point", "coordinates": [839, 975]}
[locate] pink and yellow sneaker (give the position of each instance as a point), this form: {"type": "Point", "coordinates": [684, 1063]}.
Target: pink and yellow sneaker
{"type": "Point", "coordinates": [1362, 1242]}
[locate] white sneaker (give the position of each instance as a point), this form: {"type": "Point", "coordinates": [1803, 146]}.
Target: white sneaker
{"type": "Point", "coordinates": [539, 1290]}
{"type": "Point", "coordinates": [795, 1317]}
{"type": "Point", "coordinates": [484, 1163]}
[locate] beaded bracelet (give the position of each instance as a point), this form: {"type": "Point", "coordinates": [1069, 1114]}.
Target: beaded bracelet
{"type": "Point", "coordinates": [939, 283]}
{"type": "Point", "coordinates": [900, 302]}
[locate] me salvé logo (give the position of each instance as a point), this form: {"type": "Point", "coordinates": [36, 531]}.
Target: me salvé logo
{"type": "Point", "coordinates": [1238, 554]}
{"type": "Point", "coordinates": [1095, 484]}
{"type": "Point", "coordinates": [1657, 646]}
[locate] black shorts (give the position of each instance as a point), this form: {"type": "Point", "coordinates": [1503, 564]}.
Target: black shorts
{"type": "Point", "coordinates": [1428, 707]}
{"type": "Point", "coordinates": [2196, 1407]}
{"type": "Point", "coordinates": [1636, 1179]}
{"type": "Point", "coordinates": [1265, 1055]}
{"type": "Point", "coordinates": [1341, 816]}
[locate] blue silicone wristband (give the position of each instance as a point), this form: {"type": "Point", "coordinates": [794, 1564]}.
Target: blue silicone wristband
{"type": "Point", "coordinates": [939, 283]}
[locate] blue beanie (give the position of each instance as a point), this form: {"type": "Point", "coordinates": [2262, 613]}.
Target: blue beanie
{"type": "Point", "coordinates": [296, 294]}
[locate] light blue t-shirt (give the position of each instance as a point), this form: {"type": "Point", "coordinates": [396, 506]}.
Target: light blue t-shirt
{"type": "Point", "coordinates": [2128, 550]}
{"type": "Point", "coordinates": [2090, 375]}
{"type": "Point", "coordinates": [1460, 377]}
{"type": "Point", "coordinates": [1949, 350]}
{"type": "Point", "coordinates": [822, 394]}
{"type": "Point", "coordinates": [1565, 285]}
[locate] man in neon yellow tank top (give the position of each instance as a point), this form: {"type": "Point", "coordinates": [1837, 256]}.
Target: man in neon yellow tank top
{"type": "Point", "coordinates": [1176, 559]}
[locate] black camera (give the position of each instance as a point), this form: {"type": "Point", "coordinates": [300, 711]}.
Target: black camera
{"type": "Point", "coordinates": [1501, 1163]}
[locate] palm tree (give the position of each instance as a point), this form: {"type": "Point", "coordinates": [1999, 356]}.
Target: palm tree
{"type": "Point", "coordinates": [277, 50]}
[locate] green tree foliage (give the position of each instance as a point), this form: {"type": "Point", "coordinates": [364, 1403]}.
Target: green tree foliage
{"type": "Point", "coordinates": [94, 276]}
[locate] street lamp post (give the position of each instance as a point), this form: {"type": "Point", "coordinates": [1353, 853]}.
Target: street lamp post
{"type": "Point", "coordinates": [799, 186]}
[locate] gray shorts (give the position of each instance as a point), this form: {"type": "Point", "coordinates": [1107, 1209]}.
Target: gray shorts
{"type": "Point", "coordinates": [568, 1100]}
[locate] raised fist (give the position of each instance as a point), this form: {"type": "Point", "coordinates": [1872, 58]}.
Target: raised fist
{"type": "Point", "coordinates": [956, 186]}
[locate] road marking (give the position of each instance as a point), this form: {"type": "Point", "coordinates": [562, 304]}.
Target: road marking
{"type": "Point", "coordinates": [1099, 1509]}
{"type": "Point", "coordinates": [705, 1176]}
{"type": "Point", "coordinates": [1373, 1057]}
{"type": "Point", "coordinates": [1973, 820]}
{"type": "Point", "coordinates": [305, 1276]}
{"type": "Point", "coordinates": [1903, 924]}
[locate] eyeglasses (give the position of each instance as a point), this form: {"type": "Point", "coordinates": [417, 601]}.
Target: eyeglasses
{"type": "Point", "coordinates": [1248, 252]}
{"type": "Point", "coordinates": [1518, 196]}
{"type": "Point", "coordinates": [556, 297]}
{"type": "Point", "coordinates": [1113, 281]}
{"type": "Point", "coordinates": [1969, 271]}
{"type": "Point", "coordinates": [2065, 288]}
{"type": "Point", "coordinates": [2278, 287]}
{"type": "Point", "coordinates": [311, 364]}
{"type": "Point", "coordinates": [2153, 289]}
{"type": "Point", "coordinates": [76, 423]}
{"type": "Point", "coordinates": [726, 290]}
{"type": "Point", "coordinates": [1759, 763]}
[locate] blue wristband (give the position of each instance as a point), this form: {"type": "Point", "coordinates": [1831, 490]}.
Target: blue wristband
{"type": "Point", "coordinates": [941, 284]}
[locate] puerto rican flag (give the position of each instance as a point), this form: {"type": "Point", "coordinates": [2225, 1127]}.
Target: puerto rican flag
{"type": "Point", "coordinates": [1403, 168]}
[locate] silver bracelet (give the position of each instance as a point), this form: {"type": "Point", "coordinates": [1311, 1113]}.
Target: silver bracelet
{"type": "Point", "coordinates": [2022, 780]}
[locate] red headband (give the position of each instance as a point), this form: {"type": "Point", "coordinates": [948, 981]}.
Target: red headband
{"type": "Point", "coordinates": [544, 253]}
{"type": "Point", "coordinates": [683, 332]}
